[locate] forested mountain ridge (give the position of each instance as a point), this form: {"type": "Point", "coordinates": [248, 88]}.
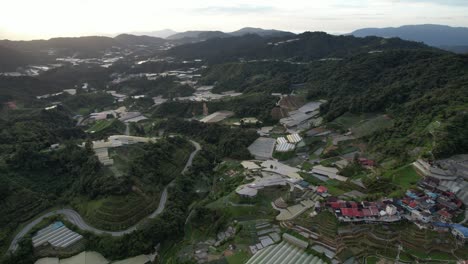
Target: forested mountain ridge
{"type": "Point", "coordinates": [303, 47]}
{"type": "Point", "coordinates": [261, 32]}
{"type": "Point", "coordinates": [86, 47]}
{"type": "Point", "coordinates": [435, 35]}
{"type": "Point", "coordinates": [197, 35]}
{"type": "Point", "coordinates": [24, 88]}
{"type": "Point", "coordinates": [10, 59]}
{"type": "Point", "coordinates": [416, 87]}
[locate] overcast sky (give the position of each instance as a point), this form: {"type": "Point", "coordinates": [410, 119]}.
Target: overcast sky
{"type": "Point", "coordinates": [27, 19]}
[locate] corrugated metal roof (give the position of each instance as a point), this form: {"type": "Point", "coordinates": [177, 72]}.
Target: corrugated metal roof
{"type": "Point", "coordinates": [294, 138]}
{"type": "Point", "coordinates": [281, 140]}
{"type": "Point", "coordinates": [285, 147]}
{"type": "Point", "coordinates": [57, 235]}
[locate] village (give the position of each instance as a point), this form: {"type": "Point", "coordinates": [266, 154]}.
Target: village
{"type": "Point", "coordinates": [310, 179]}
{"type": "Point", "coordinates": [303, 175]}
{"type": "Point", "coordinates": [308, 160]}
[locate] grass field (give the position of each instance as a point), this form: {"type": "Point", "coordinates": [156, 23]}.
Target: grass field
{"type": "Point", "coordinates": [404, 177]}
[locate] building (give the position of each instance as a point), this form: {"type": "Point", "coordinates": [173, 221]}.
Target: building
{"type": "Point", "coordinates": [391, 209]}
{"type": "Point", "coordinates": [265, 131]}
{"type": "Point", "coordinates": [460, 232]}
{"type": "Point", "coordinates": [349, 211]}
{"type": "Point", "coordinates": [285, 147]}
{"type": "Point", "coordinates": [322, 189]}
{"type": "Point", "coordinates": [301, 115]}
{"type": "Point", "coordinates": [294, 138]}
{"type": "Point", "coordinates": [366, 162]}
{"type": "Point", "coordinates": [282, 145]}
{"type": "Point", "coordinates": [262, 148]}
{"type": "Point", "coordinates": [422, 216]}
{"type": "Point", "coordinates": [282, 169]}
{"type": "Point", "coordinates": [329, 172]}
{"type": "Point", "coordinates": [249, 121]}
{"type": "Point", "coordinates": [56, 235]}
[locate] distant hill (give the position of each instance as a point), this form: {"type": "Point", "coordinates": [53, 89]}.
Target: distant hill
{"type": "Point", "coordinates": [195, 36]}
{"type": "Point", "coordinates": [10, 59]}
{"type": "Point", "coordinates": [158, 33]}
{"type": "Point", "coordinates": [303, 47]}
{"type": "Point", "coordinates": [198, 35]}
{"type": "Point", "coordinates": [441, 36]}
{"type": "Point", "coordinates": [24, 88]}
{"type": "Point", "coordinates": [82, 47]}
{"type": "Point", "coordinates": [456, 49]}
{"type": "Point", "coordinates": [127, 39]}
{"type": "Point", "coordinates": [261, 32]}
{"type": "Point", "coordinates": [79, 46]}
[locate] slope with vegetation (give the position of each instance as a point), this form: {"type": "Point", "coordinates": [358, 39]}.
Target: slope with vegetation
{"type": "Point", "coordinates": [303, 47]}
{"type": "Point", "coordinates": [415, 87]}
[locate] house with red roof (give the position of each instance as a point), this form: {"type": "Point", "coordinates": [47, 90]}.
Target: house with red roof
{"type": "Point", "coordinates": [322, 189]}
{"type": "Point", "coordinates": [366, 162]}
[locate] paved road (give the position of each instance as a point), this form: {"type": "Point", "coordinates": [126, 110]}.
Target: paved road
{"type": "Point", "coordinates": [75, 218]}
{"type": "Point", "coordinates": [192, 155]}
{"type": "Point", "coordinates": [163, 200]}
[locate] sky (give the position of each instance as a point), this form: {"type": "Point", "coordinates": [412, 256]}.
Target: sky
{"type": "Point", "coordinates": [43, 19]}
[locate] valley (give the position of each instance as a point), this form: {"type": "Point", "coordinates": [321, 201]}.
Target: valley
{"type": "Point", "coordinates": [208, 147]}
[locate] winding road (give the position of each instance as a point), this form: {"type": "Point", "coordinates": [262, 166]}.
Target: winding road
{"type": "Point", "coordinates": [75, 218]}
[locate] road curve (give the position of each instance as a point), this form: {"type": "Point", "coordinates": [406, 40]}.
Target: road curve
{"type": "Point", "coordinates": [192, 155]}
{"type": "Point", "coordinates": [75, 218]}
{"type": "Point", "coordinates": [163, 200]}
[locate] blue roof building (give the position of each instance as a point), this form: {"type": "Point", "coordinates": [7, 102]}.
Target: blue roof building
{"type": "Point", "coordinates": [460, 231]}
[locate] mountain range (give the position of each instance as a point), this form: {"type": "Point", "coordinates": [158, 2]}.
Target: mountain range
{"type": "Point", "coordinates": [164, 33]}
{"type": "Point", "coordinates": [252, 43]}
{"type": "Point", "coordinates": [200, 35]}
{"type": "Point", "coordinates": [449, 38]}
{"type": "Point", "coordinates": [302, 47]}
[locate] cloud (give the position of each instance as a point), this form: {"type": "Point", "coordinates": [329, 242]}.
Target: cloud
{"type": "Point", "coordinates": [438, 2]}
{"type": "Point", "coordinates": [39, 20]}
{"type": "Point", "coordinates": [235, 10]}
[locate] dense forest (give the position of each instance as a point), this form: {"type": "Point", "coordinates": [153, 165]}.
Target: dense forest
{"type": "Point", "coordinates": [165, 86]}
{"type": "Point", "coordinates": [249, 105]}
{"type": "Point", "coordinates": [35, 177]}
{"type": "Point", "coordinates": [11, 59]}
{"type": "Point", "coordinates": [416, 87]}
{"type": "Point", "coordinates": [228, 142]}
{"type": "Point", "coordinates": [24, 88]}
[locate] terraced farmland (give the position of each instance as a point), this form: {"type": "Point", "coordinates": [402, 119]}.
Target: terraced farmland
{"type": "Point", "coordinates": [118, 212]}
